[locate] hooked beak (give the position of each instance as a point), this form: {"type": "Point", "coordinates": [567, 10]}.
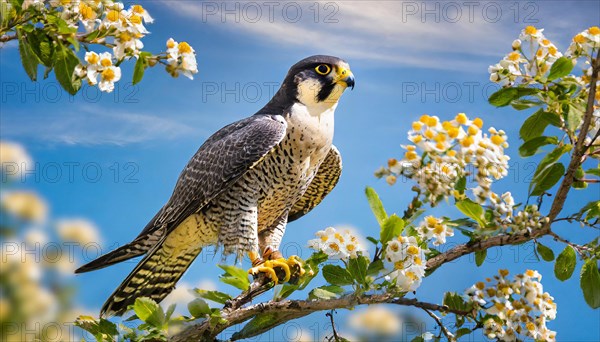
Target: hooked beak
{"type": "Point", "coordinates": [345, 77]}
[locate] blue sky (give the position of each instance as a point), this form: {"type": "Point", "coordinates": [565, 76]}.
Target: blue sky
{"type": "Point", "coordinates": [408, 59]}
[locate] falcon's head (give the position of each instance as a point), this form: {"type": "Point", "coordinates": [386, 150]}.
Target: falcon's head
{"type": "Point", "coordinates": [316, 81]}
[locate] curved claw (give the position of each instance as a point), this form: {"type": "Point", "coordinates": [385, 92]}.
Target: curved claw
{"type": "Point", "coordinates": [268, 267]}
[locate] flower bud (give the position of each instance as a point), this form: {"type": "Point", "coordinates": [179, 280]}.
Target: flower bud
{"type": "Point", "coordinates": [516, 44]}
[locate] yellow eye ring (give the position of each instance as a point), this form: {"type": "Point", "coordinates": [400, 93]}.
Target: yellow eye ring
{"type": "Point", "coordinates": [323, 69]}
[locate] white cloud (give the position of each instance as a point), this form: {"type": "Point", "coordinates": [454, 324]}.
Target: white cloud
{"type": "Point", "coordinates": [433, 35]}
{"type": "Point", "coordinates": [385, 32]}
{"type": "Point", "coordinates": [94, 126]}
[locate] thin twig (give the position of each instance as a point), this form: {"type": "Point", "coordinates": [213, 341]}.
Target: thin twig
{"type": "Point", "coordinates": [335, 334]}
{"type": "Point", "coordinates": [578, 248]}
{"type": "Point", "coordinates": [445, 331]}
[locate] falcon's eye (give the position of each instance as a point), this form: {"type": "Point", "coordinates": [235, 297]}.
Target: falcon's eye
{"type": "Point", "coordinates": [323, 69]}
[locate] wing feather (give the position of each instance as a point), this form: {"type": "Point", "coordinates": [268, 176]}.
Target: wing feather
{"type": "Point", "coordinates": [324, 181]}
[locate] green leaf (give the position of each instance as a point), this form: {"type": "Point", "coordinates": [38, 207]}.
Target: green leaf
{"type": "Point", "coordinates": [480, 257]}
{"type": "Point", "coordinates": [472, 210]}
{"type": "Point", "coordinates": [549, 159]}
{"type": "Point", "coordinates": [530, 147]}
{"type": "Point", "coordinates": [545, 252]}
{"type": "Point", "coordinates": [590, 283]}
{"type": "Point", "coordinates": [235, 276]}
{"type": "Point", "coordinates": [591, 210]}
{"type": "Point", "coordinates": [99, 328]}
{"type": "Point", "coordinates": [375, 267]}
{"type": "Point", "coordinates": [257, 325]}
{"type": "Point", "coordinates": [169, 312]}
{"type": "Point", "coordinates": [373, 240]}
{"type": "Point", "coordinates": [391, 227]}
{"type": "Point", "coordinates": [505, 96]}
{"type": "Point", "coordinates": [358, 269]}
{"type": "Point", "coordinates": [64, 66]}
{"type": "Point", "coordinates": [455, 301]}
{"type": "Point", "coordinates": [547, 178]}
{"type": "Point", "coordinates": [376, 205]}
{"type": "Point", "coordinates": [60, 24]}
{"type": "Point", "coordinates": [525, 104]}
{"type": "Point", "coordinates": [140, 67]}
{"type": "Point", "coordinates": [326, 292]}
{"type": "Point", "coordinates": [148, 311]}
{"type": "Point", "coordinates": [462, 332]}
{"type": "Point", "coordinates": [574, 117]}
{"type": "Point", "coordinates": [461, 184]}
{"type": "Point", "coordinates": [565, 264]}
{"type": "Point", "coordinates": [593, 171]}
{"type": "Point", "coordinates": [536, 124]}
{"type": "Point", "coordinates": [562, 67]}
{"type": "Point", "coordinates": [336, 275]}
{"type": "Point", "coordinates": [215, 296]}
{"type": "Point", "coordinates": [199, 308]}
{"type": "Point", "coordinates": [42, 46]}
{"type": "Point", "coordinates": [28, 58]}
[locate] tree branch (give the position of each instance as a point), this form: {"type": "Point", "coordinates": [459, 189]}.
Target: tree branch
{"type": "Point", "coordinates": [580, 147]}
{"type": "Point", "coordinates": [6, 38]}
{"type": "Point", "coordinates": [299, 308]}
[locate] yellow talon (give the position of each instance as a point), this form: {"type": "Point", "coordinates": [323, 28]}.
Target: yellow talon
{"type": "Point", "coordinates": [280, 263]}
{"type": "Point", "coordinates": [292, 268]}
{"type": "Point", "coordinates": [264, 269]}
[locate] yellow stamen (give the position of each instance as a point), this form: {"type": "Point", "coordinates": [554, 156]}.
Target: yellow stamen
{"type": "Point", "coordinates": [93, 58]}
{"type": "Point", "coordinates": [453, 132]}
{"type": "Point", "coordinates": [579, 38]}
{"type": "Point", "coordinates": [108, 74]}
{"type": "Point", "coordinates": [413, 250]}
{"type": "Point", "coordinates": [514, 56]}
{"type": "Point", "coordinates": [473, 130]}
{"type": "Point", "coordinates": [113, 15]}
{"type": "Point", "coordinates": [136, 19]}
{"type": "Point", "coordinates": [431, 221]}
{"type": "Point", "coordinates": [467, 141]}
{"type": "Point", "coordinates": [432, 121]}
{"type": "Point", "coordinates": [461, 118]}
{"type": "Point", "coordinates": [185, 47]}
{"type": "Point", "coordinates": [410, 155]}
{"type": "Point", "coordinates": [138, 9]}
{"type": "Point", "coordinates": [497, 140]}
{"type": "Point", "coordinates": [530, 30]}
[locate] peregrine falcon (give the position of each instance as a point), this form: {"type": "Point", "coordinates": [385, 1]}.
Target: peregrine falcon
{"type": "Point", "coordinates": [242, 187]}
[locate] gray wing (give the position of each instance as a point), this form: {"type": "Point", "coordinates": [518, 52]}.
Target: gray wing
{"type": "Point", "coordinates": [325, 180]}
{"type": "Point", "coordinates": [225, 157]}
{"type": "Point", "coordinates": [221, 160]}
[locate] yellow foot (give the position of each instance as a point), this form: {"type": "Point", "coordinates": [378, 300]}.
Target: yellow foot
{"type": "Point", "coordinates": [279, 270]}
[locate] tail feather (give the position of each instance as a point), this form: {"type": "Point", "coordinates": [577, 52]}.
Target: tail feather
{"type": "Point", "coordinates": [154, 277]}
{"type": "Point", "coordinates": [137, 247]}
